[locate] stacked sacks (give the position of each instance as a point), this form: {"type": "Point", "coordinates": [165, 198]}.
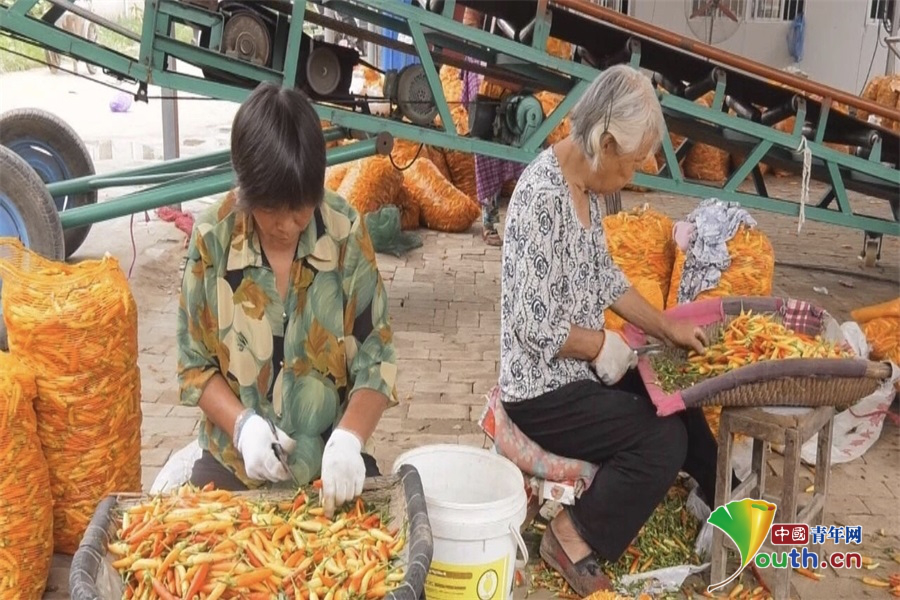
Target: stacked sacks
{"type": "Point", "coordinates": [370, 183]}
{"type": "Point", "coordinates": [434, 188]}
{"type": "Point", "coordinates": [75, 328]}
{"type": "Point", "coordinates": [750, 273]}
{"type": "Point", "coordinates": [26, 506]}
{"type": "Point", "coordinates": [640, 243]}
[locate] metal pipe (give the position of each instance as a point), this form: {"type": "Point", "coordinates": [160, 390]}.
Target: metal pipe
{"type": "Point", "coordinates": [171, 168]}
{"type": "Point", "coordinates": [175, 168]}
{"type": "Point", "coordinates": [193, 188]}
{"type": "Point", "coordinates": [95, 18]}
{"type": "Point", "coordinates": [632, 25]}
{"type": "Point", "coordinates": [743, 110]}
{"type": "Point", "coordinates": [778, 114]}
{"type": "Point", "coordinates": [707, 84]}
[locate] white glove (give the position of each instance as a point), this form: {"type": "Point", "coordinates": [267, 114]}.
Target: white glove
{"type": "Point", "coordinates": [615, 358]}
{"type": "Point", "coordinates": [255, 445]}
{"type": "Point", "coordinates": [343, 470]}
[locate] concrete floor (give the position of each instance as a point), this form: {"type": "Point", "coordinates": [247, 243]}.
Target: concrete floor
{"type": "Point", "coordinates": [444, 301]}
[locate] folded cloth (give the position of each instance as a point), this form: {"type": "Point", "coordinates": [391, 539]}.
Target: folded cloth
{"type": "Point", "coordinates": [715, 223]}
{"type": "Point", "coordinates": [511, 443]}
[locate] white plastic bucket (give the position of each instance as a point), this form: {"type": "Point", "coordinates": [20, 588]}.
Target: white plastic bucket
{"type": "Point", "coordinates": [476, 505]}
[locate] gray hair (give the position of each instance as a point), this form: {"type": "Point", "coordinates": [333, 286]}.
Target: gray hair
{"type": "Point", "coordinates": [622, 102]}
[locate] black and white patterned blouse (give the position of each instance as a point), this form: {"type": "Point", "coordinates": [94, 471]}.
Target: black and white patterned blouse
{"type": "Point", "coordinates": [555, 273]}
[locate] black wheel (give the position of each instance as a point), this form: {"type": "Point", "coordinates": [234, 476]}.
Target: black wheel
{"type": "Point", "coordinates": [27, 212]}
{"type": "Point", "coordinates": [56, 153]}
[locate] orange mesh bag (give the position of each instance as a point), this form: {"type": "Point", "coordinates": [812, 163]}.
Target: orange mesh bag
{"type": "Point", "coordinates": [870, 93]}
{"type": "Point", "coordinates": [335, 175]}
{"type": "Point", "coordinates": [558, 48]}
{"type": "Point", "coordinates": [883, 335]}
{"type": "Point", "coordinates": [26, 506]}
{"type": "Point", "coordinates": [462, 172]}
{"type": "Point", "coordinates": [410, 212]}
{"type": "Point", "coordinates": [881, 325]}
{"type": "Point", "coordinates": [75, 327]}
{"type": "Point", "coordinates": [370, 184]}
{"type": "Point", "coordinates": [436, 155]}
{"type": "Point", "coordinates": [888, 94]}
{"type": "Point", "coordinates": [738, 159]}
{"type": "Point", "coordinates": [651, 293]}
{"type": "Point", "coordinates": [750, 273]}
{"type": "Point", "coordinates": [549, 101]}
{"type": "Point", "coordinates": [442, 206]}
{"type": "Point", "coordinates": [451, 83]}
{"type": "Point", "coordinates": [640, 243]}
{"type": "Point", "coordinates": [707, 163]}
{"type": "Point", "coordinates": [405, 151]}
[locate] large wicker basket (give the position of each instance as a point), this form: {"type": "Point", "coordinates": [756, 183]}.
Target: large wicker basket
{"type": "Point", "coordinates": [802, 382]}
{"type": "Point", "coordinates": [92, 576]}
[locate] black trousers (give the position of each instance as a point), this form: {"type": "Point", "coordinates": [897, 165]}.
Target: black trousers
{"type": "Point", "coordinates": [639, 453]}
{"type": "Point", "coordinates": [209, 470]}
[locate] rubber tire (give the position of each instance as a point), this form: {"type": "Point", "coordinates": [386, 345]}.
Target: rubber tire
{"type": "Point", "coordinates": [25, 190]}
{"type": "Point", "coordinates": [48, 128]}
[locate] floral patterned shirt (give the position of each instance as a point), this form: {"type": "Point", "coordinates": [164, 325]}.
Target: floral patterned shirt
{"type": "Point", "coordinates": [295, 361]}
{"type": "Point", "coordinates": [554, 274]}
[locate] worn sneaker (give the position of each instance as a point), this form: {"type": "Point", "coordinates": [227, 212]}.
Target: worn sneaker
{"type": "Point", "coordinates": [584, 577]}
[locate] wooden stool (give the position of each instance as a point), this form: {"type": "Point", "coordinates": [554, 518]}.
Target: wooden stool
{"type": "Point", "coordinates": [767, 428]}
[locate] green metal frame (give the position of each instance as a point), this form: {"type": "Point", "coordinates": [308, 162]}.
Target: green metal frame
{"type": "Point", "coordinates": [181, 180]}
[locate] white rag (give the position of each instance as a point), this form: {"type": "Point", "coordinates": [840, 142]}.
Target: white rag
{"type": "Point", "coordinates": [715, 223]}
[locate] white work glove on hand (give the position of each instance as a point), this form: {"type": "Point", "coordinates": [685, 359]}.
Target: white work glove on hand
{"type": "Point", "coordinates": [255, 445]}
{"type": "Point", "coordinates": [343, 470]}
{"type": "Point", "coordinates": [615, 358]}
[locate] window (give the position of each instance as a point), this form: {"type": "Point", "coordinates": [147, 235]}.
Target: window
{"type": "Point", "coordinates": [776, 10]}
{"type": "Point", "coordinates": [881, 10]}
{"type": "Point", "coordinates": [616, 5]}
{"type": "Point", "coordinates": [703, 8]}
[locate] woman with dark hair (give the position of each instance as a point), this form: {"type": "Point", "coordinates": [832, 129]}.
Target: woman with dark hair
{"type": "Point", "coordinates": [283, 331]}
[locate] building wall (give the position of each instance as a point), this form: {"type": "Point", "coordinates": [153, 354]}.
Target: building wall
{"type": "Point", "coordinates": [837, 49]}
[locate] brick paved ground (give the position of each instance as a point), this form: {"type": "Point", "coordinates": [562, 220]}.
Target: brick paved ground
{"type": "Point", "coordinates": [444, 301]}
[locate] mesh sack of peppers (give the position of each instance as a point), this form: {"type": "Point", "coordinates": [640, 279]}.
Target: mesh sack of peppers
{"type": "Point", "coordinates": [75, 327]}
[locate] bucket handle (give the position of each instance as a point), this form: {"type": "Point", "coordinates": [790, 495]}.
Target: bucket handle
{"type": "Point", "coordinates": [520, 564]}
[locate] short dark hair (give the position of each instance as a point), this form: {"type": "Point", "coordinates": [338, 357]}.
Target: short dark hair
{"type": "Point", "coordinates": [278, 150]}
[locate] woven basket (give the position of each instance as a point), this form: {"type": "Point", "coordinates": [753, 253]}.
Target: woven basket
{"type": "Point", "coordinates": [801, 382]}
{"type": "Point", "coordinates": [92, 576]}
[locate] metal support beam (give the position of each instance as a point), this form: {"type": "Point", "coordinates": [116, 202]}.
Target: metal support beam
{"type": "Point", "coordinates": [171, 136]}
{"type": "Point", "coordinates": [190, 187]}
{"type": "Point", "coordinates": [292, 52]}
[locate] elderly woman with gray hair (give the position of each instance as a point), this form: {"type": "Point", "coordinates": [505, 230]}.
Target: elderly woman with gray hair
{"type": "Point", "coordinates": [566, 381]}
